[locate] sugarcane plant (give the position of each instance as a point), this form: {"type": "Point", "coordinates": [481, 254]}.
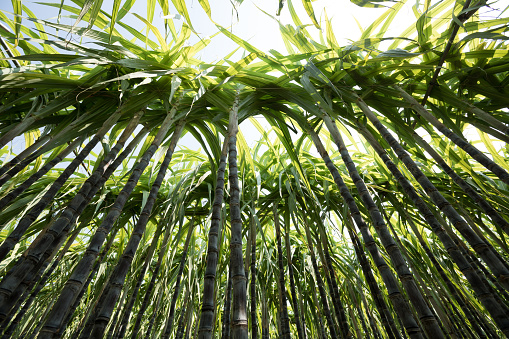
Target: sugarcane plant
{"type": "Point", "coordinates": [374, 202]}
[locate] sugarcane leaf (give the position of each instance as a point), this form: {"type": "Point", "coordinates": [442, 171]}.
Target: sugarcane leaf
{"type": "Point", "coordinates": [18, 11]}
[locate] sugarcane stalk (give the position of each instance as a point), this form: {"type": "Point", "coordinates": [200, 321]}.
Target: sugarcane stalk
{"type": "Point", "coordinates": [319, 282]}
{"type": "Point", "coordinates": [145, 302]}
{"type": "Point", "coordinates": [226, 328]}
{"type": "Point", "coordinates": [338, 305]}
{"type": "Point", "coordinates": [428, 321]}
{"type": "Point", "coordinates": [459, 223]}
{"type": "Point", "coordinates": [239, 290]}
{"type": "Point", "coordinates": [252, 293]}
{"type": "Point", "coordinates": [117, 280]}
{"type": "Point", "coordinates": [456, 139]}
{"type": "Point", "coordinates": [296, 309]}
{"type": "Point", "coordinates": [480, 201]}
{"type": "Point", "coordinates": [134, 293]}
{"type": "Point", "coordinates": [83, 268]}
{"type": "Point", "coordinates": [385, 315]}
{"type": "Point", "coordinates": [7, 199]}
{"type": "Point", "coordinates": [285, 320]}
{"type": "Point", "coordinates": [31, 216]}
{"type": "Point", "coordinates": [400, 304]}
{"type": "Point", "coordinates": [41, 280]}
{"type": "Point", "coordinates": [207, 310]}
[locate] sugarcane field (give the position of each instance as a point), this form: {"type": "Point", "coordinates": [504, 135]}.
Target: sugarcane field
{"type": "Point", "coordinates": [249, 169]}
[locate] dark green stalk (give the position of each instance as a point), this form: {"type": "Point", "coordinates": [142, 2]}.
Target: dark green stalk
{"type": "Point", "coordinates": [225, 332]}
{"type": "Point", "coordinates": [116, 317]}
{"type": "Point", "coordinates": [400, 304]}
{"type": "Point", "coordinates": [184, 314]}
{"type": "Point", "coordinates": [480, 234]}
{"type": "Point", "coordinates": [208, 310]}
{"type": "Point", "coordinates": [83, 268]}
{"type": "Point", "coordinates": [320, 328]}
{"type": "Point", "coordinates": [153, 316]}
{"type": "Point", "coordinates": [92, 274]}
{"type": "Point", "coordinates": [477, 243]}
{"type": "Point", "coordinates": [146, 299]}
{"type": "Point", "coordinates": [265, 318]}
{"type": "Point", "coordinates": [7, 199]}
{"type": "Point", "coordinates": [91, 313]}
{"type": "Point", "coordinates": [35, 331]}
{"type": "Point", "coordinates": [296, 308]}
{"type": "Point", "coordinates": [422, 286]}
{"type": "Point", "coordinates": [32, 215]}
{"type": "Point", "coordinates": [500, 294]}
{"type": "Point", "coordinates": [252, 293]}
{"type": "Point", "coordinates": [150, 287]}
{"type": "Point", "coordinates": [239, 290]}
{"type": "Point", "coordinates": [336, 301]}
{"type": "Point", "coordinates": [285, 320]}
{"type": "Point", "coordinates": [372, 324]}
{"type": "Point", "coordinates": [428, 321]}
{"type": "Point", "coordinates": [120, 330]}
{"type": "Point", "coordinates": [403, 332]}
{"type": "Point", "coordinates": [41, 281]}
{"type": "Point", "coordinates": [319, 282]}
{"type": "Point", "coordinates": [176, 292]}
{"type": "Point", "coordinates": [188, 325]}
{"type": "Point", "coordinates": [23, 289]}
{"type": "Point", "coordinates": [33, 255]}
{"type": "Point", "coordinates": [376, 293]}
{"type": "Point", "coordinates": [146, 262]}
{"type": "Point", "coordinates": [462, 263]}
{"type": "Point", "coordinates": [450, 286]}
{"type": "Point", "coordinates": [117, 280]}
{"type": "Point", "coordinates": [353, 321]}
{"type": "Point", "coordinates": [358, 307]}
{"type": "Point", "coordinates": [45, 244]}
{"type": "Point", "coordinates": [456, 139]}
{"type": "Point", "coordinates": [109, 171]}
{"type": "Point", "coordinates": [480, 201]}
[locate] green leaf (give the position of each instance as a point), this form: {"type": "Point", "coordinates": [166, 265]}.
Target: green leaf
{"type": "Point", "coordinates": [181, 7]}
{"type": "Point", "coordinates": [485, 35]}
{"type": "Point", "coordinates": [114, 15]}
{"type": "Point", "coordinates": [94, 12]}
{"type": "Point", "coordinates": [85, 8]}
{"type": "Point", "coordinates": [126, 7]}
{"type": "Point", "coordinates": [311, 13]}
{"type": "Point", "coordinates": [206, 7]}
{"type": "Point", "coordinates": [18, 12]}
{"type": "Point", "coordinates": [160, 39]}
{"type": "Point", "coordinates": [372, 3]}
{"type": "Point", "coordinates": [396, 53]}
